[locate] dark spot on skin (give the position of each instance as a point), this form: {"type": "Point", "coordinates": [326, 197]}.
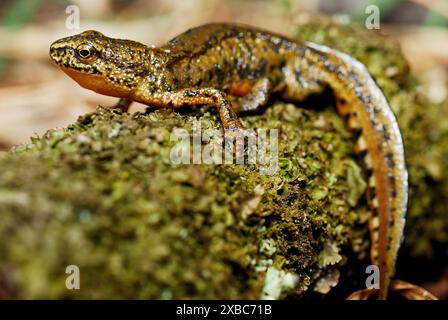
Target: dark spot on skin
{"type": "Point", "coordinates": [374, 211]}
{"type": "Point", "coordinates": [366, 99]}
{"type": "Point", "coordinates": [272, 46]}
{"type": "Point", "coordinates": [166, 86]}
{"type": "Point", "coordinates": [356, 132]}
{"type": "Point", "coordinates": [217, 71]}
{"type": "Point", "coordinates": [298, 74]}
{"type": "Point", "coordinates": [243, 73]}
{"type": "Point", "coordinates": [170, 67]}
{"type": "Point", "coordinates": [282, 64]}
{"type": "Point", "coordinates": [390, 159]}
{"type": "Point", "coordinates": [211, 41]}
{"type": "Point", "coordinates": [362, 153]}
{"type": "Point", "coordinates": [304, 52]}
{"type": "Point", "coordinates": [322, 58]}
{"type": "Point", "coordinates": [262, 66]}
{"type": "Point", "coordinates": [353, 76]}
{"type": "Point", "coordinates": [176, 83]}
{"type": "Point", "coordinates": [244, 45]}
{"type": "Point", "coordinates": [374, 120]}
{"type": "Point", "coordinates": [340, 74]}
{"type": "Point", "coordinates": [393, 193]}
{"type": "Point", "coordinates": [369, 172]}
{"type": "Point", "coordinates": [391, 180]}
{"type": "Point", "coordinates": [385, 133]}
{"type": "Point", "coordinates": [198, 82]}
{"type": "Point", "coordinates": [319, 82]}
{"type": "Point", "coordinates": [189, 94]}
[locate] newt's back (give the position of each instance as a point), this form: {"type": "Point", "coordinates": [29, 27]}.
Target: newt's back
{"type": "Point", "coordinates": [223, 54]}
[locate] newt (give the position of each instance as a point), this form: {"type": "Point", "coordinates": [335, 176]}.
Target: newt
{"type": "Point", "coordinates": [236, 68]}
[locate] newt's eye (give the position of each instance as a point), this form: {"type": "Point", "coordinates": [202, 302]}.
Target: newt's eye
{"type": "Point", "coordinates": [85, 51]}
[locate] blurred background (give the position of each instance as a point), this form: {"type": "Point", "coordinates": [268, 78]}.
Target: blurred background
{"type": "Point", "coordinates": [34, 94]}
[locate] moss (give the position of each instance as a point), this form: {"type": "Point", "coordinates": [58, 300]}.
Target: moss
{"type": "Point", "coordinates": [103, 194]}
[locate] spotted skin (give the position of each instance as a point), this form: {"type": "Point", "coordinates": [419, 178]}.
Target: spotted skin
{"type": "Point", "coordinates": [236, 68]}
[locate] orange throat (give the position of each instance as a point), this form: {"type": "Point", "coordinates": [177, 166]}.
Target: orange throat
{"type": "Point", "coordinates": [97, 83]}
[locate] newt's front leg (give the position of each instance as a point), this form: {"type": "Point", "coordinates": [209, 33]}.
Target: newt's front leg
{"type": "Point", "coordinates": [202, 96]}
{"type": "Point", "coordinates": [123, 104]}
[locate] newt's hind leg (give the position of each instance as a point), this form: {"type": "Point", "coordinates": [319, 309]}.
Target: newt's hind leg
{"type": "Point", "coordinates": [300, 82]}
{"type": "Point", "coordinates": [256, 98]}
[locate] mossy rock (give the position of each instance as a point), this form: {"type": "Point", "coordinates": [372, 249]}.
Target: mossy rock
{"type": "Point", "coordinates": [102, 194]}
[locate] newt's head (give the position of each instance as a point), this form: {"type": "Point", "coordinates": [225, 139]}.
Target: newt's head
{"type": "Point", "coordinates": [105, 65]}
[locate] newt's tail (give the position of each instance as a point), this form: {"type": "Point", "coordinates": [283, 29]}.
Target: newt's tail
{"type": "Point", "coordinates": [366, 108]}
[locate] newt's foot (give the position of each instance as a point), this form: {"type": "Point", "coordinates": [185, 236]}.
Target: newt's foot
{"type": "Point", "coordinates": [407, 290]}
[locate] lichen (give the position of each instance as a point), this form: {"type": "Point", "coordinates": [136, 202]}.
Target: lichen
{"type": "Point", "coordinates": [278, 284]}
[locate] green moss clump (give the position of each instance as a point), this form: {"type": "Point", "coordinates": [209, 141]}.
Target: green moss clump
{"type": "Point", "coordinates": [102, 194]}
